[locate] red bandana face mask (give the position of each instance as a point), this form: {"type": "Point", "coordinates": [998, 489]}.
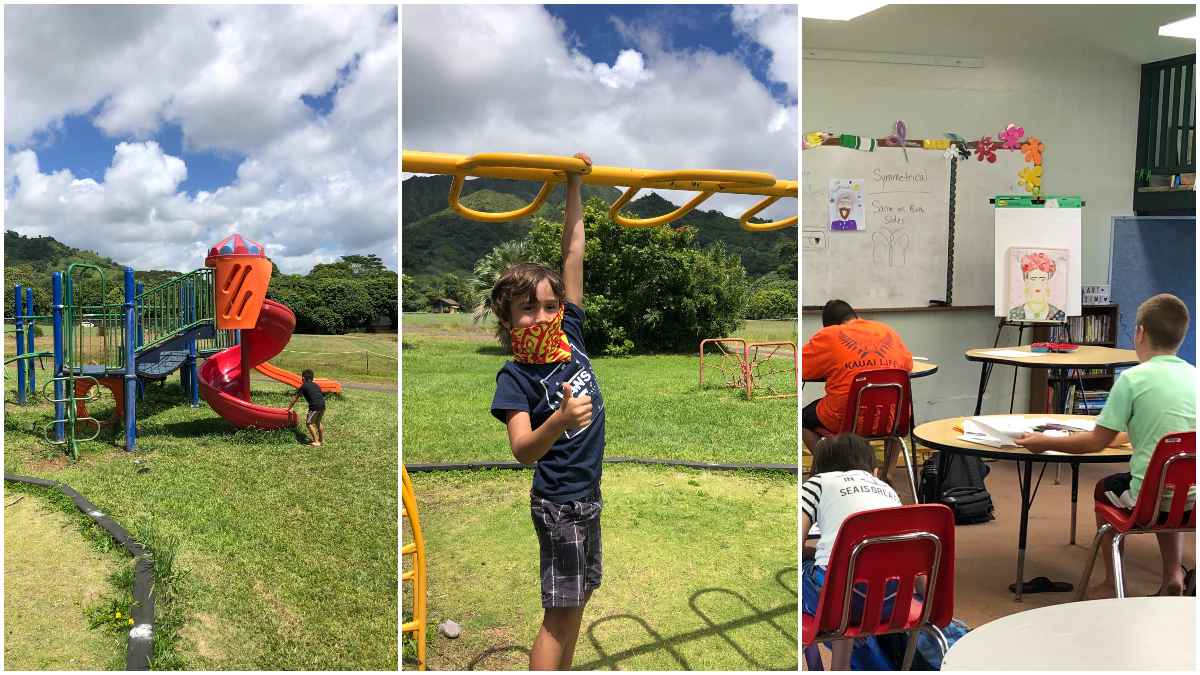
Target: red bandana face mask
{"type": "Point", "coordinates": [542, 343]}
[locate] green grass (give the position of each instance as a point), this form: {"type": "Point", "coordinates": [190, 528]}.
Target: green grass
{"type": "Point", "coordinates": [654, 408]}
{"type": "Point", "coordinates": [750, 330]}
{"type": "Point", "coordinates": [699, 571]}
{"type": "Point", "coordinates": [52, 578]}
{"type": "Point", "coordinates": [768, 331]}
{"type": "Point", "coordinates": [286, 555]}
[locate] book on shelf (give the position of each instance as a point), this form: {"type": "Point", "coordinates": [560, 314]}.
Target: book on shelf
{"type": "Point", "coordinates": [1083, 329]}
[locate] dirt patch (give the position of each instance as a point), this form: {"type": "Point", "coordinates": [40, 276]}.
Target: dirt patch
{"type": "Point", "coordinates": [489, 649]}
{"type": "Point", "coordinates": [202, 633]}
{"type": "Point", "coordinates": [484, 337]}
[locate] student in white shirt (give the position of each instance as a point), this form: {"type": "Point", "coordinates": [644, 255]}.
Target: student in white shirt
{"type": "Point", "coordinates": [843, 483]}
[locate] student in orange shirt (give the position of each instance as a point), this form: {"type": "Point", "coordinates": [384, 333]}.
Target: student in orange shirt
{"type": "Point", "coordinates": [845, 346]}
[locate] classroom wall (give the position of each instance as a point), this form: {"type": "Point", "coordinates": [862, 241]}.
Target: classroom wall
{"type": "Point", "coordinates": [1081, 100]}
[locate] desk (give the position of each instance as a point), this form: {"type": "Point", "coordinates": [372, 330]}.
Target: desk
{"type": "Point", "coordinates": [940, 435]}
{"type": "Point", "coordinates": [919, 369]}
{"type": "Point", "coordinates": [1086, 356]}
{"type": "Point", "coordinates": [1126, 634]}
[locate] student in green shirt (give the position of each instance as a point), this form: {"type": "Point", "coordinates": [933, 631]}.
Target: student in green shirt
{"type": "Point", "coordinates": [1149, 401]}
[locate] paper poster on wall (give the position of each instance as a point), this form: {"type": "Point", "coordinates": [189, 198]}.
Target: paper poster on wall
{"type": "Point", "coordinates": [846, 205]}
{"type": "Point", "coordinates": [1037, 283]}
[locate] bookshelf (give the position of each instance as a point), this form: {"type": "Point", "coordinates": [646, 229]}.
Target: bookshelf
{"type": "Point", "coordinates": [1096, 326]}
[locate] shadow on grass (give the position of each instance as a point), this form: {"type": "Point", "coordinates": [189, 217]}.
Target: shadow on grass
{"type": "Point", "coordinates": [670, 645]}
{"type": "Point", "coordinates": [493, 350]}
{"type": "Point", "coordinates": [496, 652]}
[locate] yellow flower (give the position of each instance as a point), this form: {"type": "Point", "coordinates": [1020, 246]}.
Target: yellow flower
{"type": "Point", "coordinates": [118, 615]}
{"type": "Point", "coordinates": [131, 622]}
{"type": "Point", "coordinates": [1030, 178]}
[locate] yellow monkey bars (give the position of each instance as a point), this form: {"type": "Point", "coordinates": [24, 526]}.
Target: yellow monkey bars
{"type": "Point", "coordinates": [550, 170]}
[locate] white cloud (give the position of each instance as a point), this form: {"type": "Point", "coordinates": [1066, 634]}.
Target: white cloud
{"type": "Point", "coordinates": [775, 27]}
{"type": "Point", "coordinates": [311, 188]}
{"type": "Point", "coordinates": [504, 78]}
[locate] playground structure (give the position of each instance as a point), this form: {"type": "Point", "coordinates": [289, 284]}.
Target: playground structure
{"type": "Point", "coordinates": [550, 170]}
{"type": "Point", "coordinates": [417, 574]}
{"type": "Point", "coordinates": [753, 366]}
{"type": "Point", "coordinates": [218, 313]}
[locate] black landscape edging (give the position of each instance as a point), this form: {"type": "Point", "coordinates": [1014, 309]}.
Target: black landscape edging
{"type": "Point", "coordinates": [712, 466]}
{"type": "Point", "coordinates": [141, 636]}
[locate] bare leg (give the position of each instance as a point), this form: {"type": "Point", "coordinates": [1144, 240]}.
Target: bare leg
{"type": "Point", "coordinates": [1170, 546]}
{"type": "Point", "coordinates": [842, 649]}
{"type": "Point", "coordinates": [811, 438]}
{"type": "Point", "coordinates": [891, 450]}
{"type": "Point", "coordinates": [313, 431]}
{"type": "Point", "coordinates": [554, 647]}
{"type": "Point", "coordinates": [321, 433]}
{"type": "Point", "coordinates": [1106, 588]}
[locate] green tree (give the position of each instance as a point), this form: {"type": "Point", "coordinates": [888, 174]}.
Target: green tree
{"type": "Point", "coordinates": [488, 270]}
{"type": "Point", "coordinates": [648, 288]}
{"type": "Point", "coordinates": [411, 298]}
{"type": "Point", "coordinates": [771, 304]}
{"type": "Point", "coordinates": [365, 266]}
{"type": "Point", "coordinates": [790, 269]}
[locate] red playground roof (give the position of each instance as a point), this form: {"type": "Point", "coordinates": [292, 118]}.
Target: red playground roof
{"type": "Point", "coordinates": [237, 245]}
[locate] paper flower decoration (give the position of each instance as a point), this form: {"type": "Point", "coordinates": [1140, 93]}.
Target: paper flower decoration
{"type": "Point", "coordinates": [956, 137]}
{"type": "Point", "coordinates": [1012, 136]}
{"type": "Point", "coordinates": [951, 152]}
{"type": "Point", "coordinates": [964, 152]}
{"type": "Point", "coordinates": [1033, 151]}
{"type": "Point", "coordinates": [1031, 178]}
{"type": "Point", "coordinates": [1037, 192]}
{"type": "Point", "coordinates": [985, 148]}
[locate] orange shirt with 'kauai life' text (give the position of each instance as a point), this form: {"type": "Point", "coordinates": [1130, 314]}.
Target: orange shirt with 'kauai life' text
{"type": "Point", "coordinates": [836, 353]}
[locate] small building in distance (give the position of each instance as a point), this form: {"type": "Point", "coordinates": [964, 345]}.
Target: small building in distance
{"type": "Point", "coordinates": [382, 324]}
{"type": "Point", "coordinates": [445, 306]}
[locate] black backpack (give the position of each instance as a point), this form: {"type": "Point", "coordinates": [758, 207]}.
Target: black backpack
{"type": "Point", "coordinates": [962, 488]}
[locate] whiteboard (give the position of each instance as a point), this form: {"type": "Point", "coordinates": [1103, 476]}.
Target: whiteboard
{"type": "Point", "coordinates": [905, 255]}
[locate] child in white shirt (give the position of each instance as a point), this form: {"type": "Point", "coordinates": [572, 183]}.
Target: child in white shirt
{"type": "Point", "coordinates": [843, 483]}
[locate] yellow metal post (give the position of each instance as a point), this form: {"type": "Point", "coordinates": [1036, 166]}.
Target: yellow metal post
{"type": "Point", "coordinates": [417, 573]}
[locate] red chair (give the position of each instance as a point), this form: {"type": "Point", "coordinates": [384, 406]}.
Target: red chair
{"type": "Point", "coordinates": [1172, 465]}
{"type": "Point", "coordinates": [872, 405]}
{"type": "Point", "coordinates": [873, 548]}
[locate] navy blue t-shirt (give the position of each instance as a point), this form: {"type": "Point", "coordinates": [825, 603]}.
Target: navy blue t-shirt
{"type": "Point", "coordinates": [570, 469]}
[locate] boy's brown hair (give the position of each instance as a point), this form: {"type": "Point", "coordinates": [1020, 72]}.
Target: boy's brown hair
{"type": "Point", "coordinates": [1165, 320]}
{"type": "Point", "coordinates": [844, 452]}
{"type": "Point", "coordinates": [519, 282]}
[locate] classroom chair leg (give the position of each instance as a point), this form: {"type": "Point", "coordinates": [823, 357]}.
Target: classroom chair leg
{"type": "Point", "coordinates": [908, 464]}
{"type": "Point", "coordinates": [1081, 588]}
{"type": "Point", "coordinates": [812, 657]}
{"type": "Point", "coordinates": [911, 650]}
{"type": "Point", "coordinates": [1118, 577]}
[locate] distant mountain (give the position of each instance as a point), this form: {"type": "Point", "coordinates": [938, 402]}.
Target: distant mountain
{"type": "Point", "coordinates": [435, 240]}
{"type": "Point", "coordinates": [47, 255]}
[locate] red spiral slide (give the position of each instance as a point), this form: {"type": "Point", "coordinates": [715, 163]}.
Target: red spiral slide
{"type": "Point", "coordinates": [225, 376]}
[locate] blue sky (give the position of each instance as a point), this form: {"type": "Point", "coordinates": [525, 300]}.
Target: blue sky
{"type": "Point", "coordinates": [654, 87]}
{"type": "Point", "coordinates": [147, 133]}
{"type": "Point", "coordinates": [683, 27]}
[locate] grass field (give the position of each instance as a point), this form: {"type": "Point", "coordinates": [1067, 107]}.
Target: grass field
{"type": "Point", "coordinates": [354, 357]}
{"type": "Point", "coordinates": [654, 408]}
{"type": "Point", "coordinates": [52, 577]}
{"type": "Point", "coordinates": [699, 571]}
{"type": "Point", "coordinates": [287, 554]}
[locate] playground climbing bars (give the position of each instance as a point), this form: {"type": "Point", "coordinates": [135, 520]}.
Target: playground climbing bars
{"type": "Point", "coordinates": [550, 169]}
{"type": "Point", "coordinates": [417, 574]}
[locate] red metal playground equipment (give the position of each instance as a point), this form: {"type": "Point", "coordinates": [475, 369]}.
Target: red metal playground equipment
{"type": "Point", "coordinates": [753, 366]}
{"type": "Point", "coordinates": [218, 313]}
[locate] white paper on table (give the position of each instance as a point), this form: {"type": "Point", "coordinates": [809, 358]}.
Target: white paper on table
{"type": "Point", "coordinates": [984, 439]}
{"type": "Point", "coordinates": [1011, 353]}
{"type": "Point", "coordinates": [999, 427]}
{"type": "Point", "coordinates": [920, 358]}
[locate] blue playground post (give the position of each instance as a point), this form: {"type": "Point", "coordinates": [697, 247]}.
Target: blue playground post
{"type": "Point", "coordinates": [237, 336]}
{"type": "Point", "coordinates": [130, 362]}
{"type": "Point", "coordinates": [191, 345]}
{"type": "Point", "coordinates": [20, 350]}
{"type": "Point", "coordinates": [141, 386]}
{"type": "Point", "coordinates": [57, 311]}
{"type": "Point", "coordinates": [29, 327]}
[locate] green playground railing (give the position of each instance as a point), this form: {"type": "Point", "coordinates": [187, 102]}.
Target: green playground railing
{"type": "Point", "coordinates": [71, 416]}
{"type": "Point", "coordinates": [84, 323]}
{"type": "Point", "coordinates": [176, 306]}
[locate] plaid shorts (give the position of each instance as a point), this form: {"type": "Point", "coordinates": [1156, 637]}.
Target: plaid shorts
{"type": "Point", "coordinates": [569, 537]}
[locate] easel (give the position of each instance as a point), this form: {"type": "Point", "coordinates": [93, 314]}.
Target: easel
{"type": "Point", "coordinates": [1060, 373]}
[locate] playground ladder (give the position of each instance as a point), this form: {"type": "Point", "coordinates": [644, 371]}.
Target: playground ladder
{"type": "Point", "coordinates": [417, 573]}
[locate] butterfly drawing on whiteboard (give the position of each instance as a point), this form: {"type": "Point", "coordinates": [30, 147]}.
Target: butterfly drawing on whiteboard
{"type": "Point", "coordinates": [890, 246]}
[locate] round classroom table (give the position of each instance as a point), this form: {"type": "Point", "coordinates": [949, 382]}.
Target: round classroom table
{"type": "Point", "coordinates": [940, 435]}
{"type": "Point", "coordinates": [1122, 634]}
{"type": "Point", "coordinates": [1086, 356]}
{"type": "Point", "coordinates": [919, 369]}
